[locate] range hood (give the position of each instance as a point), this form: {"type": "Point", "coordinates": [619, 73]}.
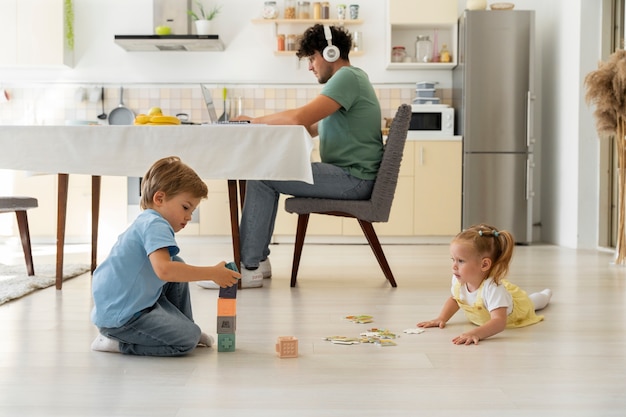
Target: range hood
{"type": "Point", "coordinates": [152, 43]}
{"type": "Point", "coordinates": [172, 13]}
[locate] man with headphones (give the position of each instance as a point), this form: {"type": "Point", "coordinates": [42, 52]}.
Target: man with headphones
{"type": "Point", "coordinates": [346, 115]}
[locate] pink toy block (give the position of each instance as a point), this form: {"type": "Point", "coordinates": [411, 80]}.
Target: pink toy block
{"type": "Point", "coordinates": [287, 347]}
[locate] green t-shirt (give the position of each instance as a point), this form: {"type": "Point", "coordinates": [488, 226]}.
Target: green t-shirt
{"type": "Point", "coordinates": [351, 137]}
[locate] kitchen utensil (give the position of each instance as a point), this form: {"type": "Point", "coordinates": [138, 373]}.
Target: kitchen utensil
{"type": "Point", "coordinates": [102, 116]}
{"type": "Point", "coordinates": [121, 115]}
{"type": "Point", "coordinates": [224, 117]}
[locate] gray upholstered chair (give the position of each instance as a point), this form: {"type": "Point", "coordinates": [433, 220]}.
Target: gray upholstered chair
{"type": "Point", "coordinates": [19, 205]}
{"type": "Point", "coordinates": [376, 209]}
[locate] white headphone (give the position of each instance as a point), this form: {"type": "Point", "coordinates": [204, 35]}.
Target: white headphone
{"type": "Point", "coordinates": [331, 52]}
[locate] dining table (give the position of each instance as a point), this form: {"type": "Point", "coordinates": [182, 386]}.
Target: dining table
{"type": "Point", "coordinates": [232, 152]}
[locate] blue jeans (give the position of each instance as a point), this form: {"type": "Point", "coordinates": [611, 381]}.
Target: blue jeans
{"type": "Point", "coordinates": [261, 204]}
{"type": "Point", "coordinates": [165, 329]}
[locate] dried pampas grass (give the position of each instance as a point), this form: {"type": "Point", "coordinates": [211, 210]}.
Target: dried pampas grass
{"type": "Point", "coordinates": [606, 90]}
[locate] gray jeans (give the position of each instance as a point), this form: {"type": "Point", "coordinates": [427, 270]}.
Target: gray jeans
{"type": "Point", "coordinates": [261, 204]}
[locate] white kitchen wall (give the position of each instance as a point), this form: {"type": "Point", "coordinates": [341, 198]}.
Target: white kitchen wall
{"type": "Point", "coordinates": [248, 57]}
{"type": "Point", "coordinates": [568, 47]}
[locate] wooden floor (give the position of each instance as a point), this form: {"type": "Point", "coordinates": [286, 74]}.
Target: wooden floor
{"type": "Point", "coordinates": [572, 364]}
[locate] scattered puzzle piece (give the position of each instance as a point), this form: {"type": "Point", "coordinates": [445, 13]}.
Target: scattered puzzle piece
{"type": "Point", "coordinates": [343, 340]}
{"type": "Point", "coordinates": [415, 330]}
{"type": "Point", "coordinates": [362, 319]}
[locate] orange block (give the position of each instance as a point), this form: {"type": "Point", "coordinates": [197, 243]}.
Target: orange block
{"type": "Point", "coordinates": [226, 306]}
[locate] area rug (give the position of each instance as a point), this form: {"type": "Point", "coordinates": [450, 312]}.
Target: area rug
{"type": "Point", "coordinates": [15, 282]}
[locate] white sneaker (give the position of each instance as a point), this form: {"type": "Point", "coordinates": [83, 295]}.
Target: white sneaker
{"type": "Point", "coordinates": [266, 268]}
{"type": "Point", "coordinates": [251, 278]}
{"type": "Point", "coordinates": [208, 284]}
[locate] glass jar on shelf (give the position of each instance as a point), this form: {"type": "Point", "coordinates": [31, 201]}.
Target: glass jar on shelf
{"type": "Point", "coordinates": [290, 9]}
{"type": "Point", "coordinates": [325, 10]}
{"type": "Point", "coordinates": [270, 11]}
{"type": "Point", "coordinates": [303, 10]}
{"type": "Point", "coordinates": [444, 54]}
{"type": "Point", "coordinates": [280, 42]}
{"type": "Point", "coordinates": [423, 49]}
{"type": "Point", "coordinates": [317, 10]}
{"type": "Point", "coordinates": [398, 53]}
{"type": "Point", "coordinates": [291, 42]}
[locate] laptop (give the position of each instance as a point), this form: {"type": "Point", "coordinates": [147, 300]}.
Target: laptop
{"type": "Point", "coordinates": [208, 100]}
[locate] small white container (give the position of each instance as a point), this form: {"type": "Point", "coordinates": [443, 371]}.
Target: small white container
{"type": "Point", "coordinates": [426, 100]}
{"type": "Point", "coordinates": [425, 92]}
{"type": "Point", "coordinates": [425, 84]}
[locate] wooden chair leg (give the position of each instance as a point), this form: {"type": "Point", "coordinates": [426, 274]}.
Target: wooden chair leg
{"type": "Point", "coordinates": [370, 234]}
{"type": "Point", "coordinates": [22, 224]}
{"type": "Point", "coordinates": [303, 221]}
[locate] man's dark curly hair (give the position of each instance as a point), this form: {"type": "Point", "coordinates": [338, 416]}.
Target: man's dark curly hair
{"type": "Point", "coordinates": [315, 40]}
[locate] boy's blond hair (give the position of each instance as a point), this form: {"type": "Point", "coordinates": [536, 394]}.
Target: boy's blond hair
{"type": "Point", "coordinates": [171, 176]}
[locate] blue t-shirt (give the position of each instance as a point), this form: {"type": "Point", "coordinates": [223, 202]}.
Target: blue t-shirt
{"type": "Point", "coordinates": [125, 283]}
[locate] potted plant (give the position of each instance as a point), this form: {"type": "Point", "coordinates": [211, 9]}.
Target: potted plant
{"type": "Point", "coordinates": [203, 18]}
{"type": "Point", "coordinates": [606, 89]}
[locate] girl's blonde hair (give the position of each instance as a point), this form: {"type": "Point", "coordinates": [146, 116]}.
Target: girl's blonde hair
{"type": "Point", "coordinates": [171, 176]}
{"type": "Point", "coordinates": [492, 243]}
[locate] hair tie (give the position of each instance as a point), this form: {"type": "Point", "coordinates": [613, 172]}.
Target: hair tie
{"type": "Point", "coordinates": [480, 232]}
{"type": "Point", "coordinates": [496, 233]}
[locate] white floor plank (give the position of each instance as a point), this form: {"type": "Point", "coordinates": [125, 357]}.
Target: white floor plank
{"type": "Point", "coordinates": [572, 364]}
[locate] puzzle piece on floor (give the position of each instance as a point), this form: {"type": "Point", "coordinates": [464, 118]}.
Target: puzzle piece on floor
{"type": "Point", "coordinates": [416, 330]}
{"type": "Point", "coordinates": [343, 340]}
{"type": "Point", "coordinates": [378, 336]}
{"type": "Point", "coordinates": [361, 319]}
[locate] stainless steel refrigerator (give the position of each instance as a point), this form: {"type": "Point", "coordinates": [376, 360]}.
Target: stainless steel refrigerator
{"type": "Point", "coordinates": [494, 103]}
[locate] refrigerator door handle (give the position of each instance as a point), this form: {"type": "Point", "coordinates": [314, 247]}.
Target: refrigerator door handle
{"type": "Point", "coordinates": [529, 178]}
{"type": "Point", "coordinates": [530, 122]}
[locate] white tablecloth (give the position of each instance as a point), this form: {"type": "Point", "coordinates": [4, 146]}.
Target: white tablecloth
{"type": "Point", "coordinates": [241, 151]}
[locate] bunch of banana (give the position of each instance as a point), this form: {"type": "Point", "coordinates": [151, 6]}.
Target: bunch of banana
{"type": "Point", "coordinates": [156, 118]}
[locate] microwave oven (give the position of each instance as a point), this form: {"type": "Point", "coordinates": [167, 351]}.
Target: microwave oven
{"type": "Point", "coordinates": [431, 120]}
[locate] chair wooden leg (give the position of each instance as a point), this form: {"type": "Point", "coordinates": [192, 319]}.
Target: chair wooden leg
{"type": "Point", "coordinates": [303, 221]}
{"type": "Point", "coordinates": [22, 224]}
{"type": "Point", "coordinates": [370, 234]}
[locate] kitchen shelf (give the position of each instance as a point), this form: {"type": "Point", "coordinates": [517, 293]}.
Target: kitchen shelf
{"type": "Point", "coordinates": [334, 22]}
{"type": "Point", "coordinates": [406, 19]}
{"type": "Point", "coordinates": [421, 66]}
{"type": "Point", "coordinates": [293, 53]}
{"type": "Point", "coordinates": [339, 22]}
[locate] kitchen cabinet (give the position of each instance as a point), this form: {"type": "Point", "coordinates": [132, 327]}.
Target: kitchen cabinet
{"type": "Point", "coordinates": [408, 19]}
{"type": "Point", "coordinates": [34, 33]}
{"type": "Point", "coordinates": [437, 176]}
{"type": "Point", "coordinates": [298, 26]}
{"type": "Point", "coordinates": [427, 201]}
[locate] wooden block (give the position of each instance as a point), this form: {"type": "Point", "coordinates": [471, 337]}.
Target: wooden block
{"type": "Point", "coordinates": [226, 307]}
{"type": "Point", "coordinates": [226, 342]}
{"type": "Point", "coordinates": [226, 324]}
{"type": "Point", "coordinates": [287, 347]}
